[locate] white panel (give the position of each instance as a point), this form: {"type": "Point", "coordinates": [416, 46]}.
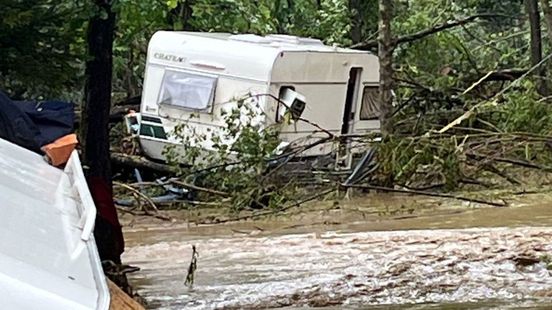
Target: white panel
{"type": "Point", "coordinates": [318, 67]}
{"type": "Point", "coordinates": [325, 104]}
{"type": "Point", "coordinates": [42, 252]}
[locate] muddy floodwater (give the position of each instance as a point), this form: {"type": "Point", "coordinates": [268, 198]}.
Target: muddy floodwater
{"type": "Point", "coordinates": [469, 259]}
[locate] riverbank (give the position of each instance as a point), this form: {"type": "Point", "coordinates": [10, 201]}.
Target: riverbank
{"type": "Point", "coordinates": [375, 212]}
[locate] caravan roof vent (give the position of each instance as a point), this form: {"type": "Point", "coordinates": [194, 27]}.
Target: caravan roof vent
{"type": "Point", "coordinates": [251, 38]}
{"type": "Point", "coordinates": [282, 38]}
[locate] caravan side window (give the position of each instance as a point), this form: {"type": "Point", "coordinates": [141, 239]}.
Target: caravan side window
{"type": "Point", "coordinates": [370, 107]}
{"type": "Point", "coordinates": [188, 90]}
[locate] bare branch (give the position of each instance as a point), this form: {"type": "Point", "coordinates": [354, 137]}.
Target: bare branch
{"type": "Point", "coordinates": [198, 188]}
{"type": "Point", "coordinates": [372, 44]}
{"type": "Point", "coordinates": [425, 193]}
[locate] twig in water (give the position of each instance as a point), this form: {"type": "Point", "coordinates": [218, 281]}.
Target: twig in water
{"type": "Point", "coordinates": [192, 268]}
{"type": "Point", "coordinates": [198, 188]}
{"type": "Point", "coordinates": [155, 212]}
{"type": "Point", "coordinates": [139, 193]}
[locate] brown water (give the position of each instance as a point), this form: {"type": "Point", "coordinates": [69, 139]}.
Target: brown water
{"type": "Point", "coordinates": [427, 262]}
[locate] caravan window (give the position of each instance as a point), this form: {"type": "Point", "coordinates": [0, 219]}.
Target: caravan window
{"type": "Point", "coordinates": [188, 90]}
{"type": "Point", "coordinates": [370, 108]}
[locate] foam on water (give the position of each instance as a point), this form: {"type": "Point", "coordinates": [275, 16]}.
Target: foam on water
{"type": "Point", "coordinates": [335, 268]}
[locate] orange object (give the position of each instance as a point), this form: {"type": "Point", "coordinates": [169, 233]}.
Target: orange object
{"type": "Point", "coordinates": [58, 152]}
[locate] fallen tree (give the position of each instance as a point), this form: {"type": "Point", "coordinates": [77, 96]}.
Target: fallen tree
{"type": "Point", "coordinates": [140, 162]}
{"type": "Point", "coordinates": [500, 147]}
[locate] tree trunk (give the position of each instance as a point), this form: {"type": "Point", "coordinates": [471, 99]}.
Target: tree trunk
{"type": "Point", "coordinates": [386, 46]}
{"type": "Point", "coordinates": [95, 118]}
{"type": "Point", "coordinates": [95, 132]}
{"type": "Point", "coordinates": [532, 8]}
{"type": "Point", "coordinates": [180, 16]}
{"type": "Point", "coordinates": [547, 18]}
{"type": "Point", "coordinates": [356, 20]}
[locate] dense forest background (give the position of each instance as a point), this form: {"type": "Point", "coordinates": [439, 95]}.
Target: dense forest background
{"type": "Point", "coordinates": [43, 42]}
{"type": "Point", "coordinates": [483, 62]}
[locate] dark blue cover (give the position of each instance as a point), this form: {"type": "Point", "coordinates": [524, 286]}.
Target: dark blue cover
{"type": "Point", "coordinates": [32, 124]}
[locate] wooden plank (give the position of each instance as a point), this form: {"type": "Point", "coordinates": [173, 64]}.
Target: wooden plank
{"type": "Point", "coordinates": [120, 300]}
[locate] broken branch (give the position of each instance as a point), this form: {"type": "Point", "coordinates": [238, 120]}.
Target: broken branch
{"type": "Point", "coordinates": [140, 162]}
{"type": "Point", "coordinates": [425, 193]}
{"type": "Point", "coordinates": [198, 188]}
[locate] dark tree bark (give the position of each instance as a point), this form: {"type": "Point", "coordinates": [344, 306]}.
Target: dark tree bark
{"type": "Point", "coordinates": [547, 10]}
{"type": "Point", "coordinates": [356, 20]}
{"type": "Point", "coordinates": [95, 133]}
{"type": "Point", "coordinates": [180, 16]}
{"type": "Point", "coordinates": [95, 117]}
{"type": "Point", "coordinates": [532, 8]}
{"type": "Point", "coordinates": [386, 47]}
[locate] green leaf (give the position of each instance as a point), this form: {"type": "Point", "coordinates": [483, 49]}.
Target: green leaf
{"type": "Point", "coordinates": [172, 4]}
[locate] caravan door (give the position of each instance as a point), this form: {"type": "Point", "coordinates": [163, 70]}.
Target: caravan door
{"type": "Point", "coordinates": [350, 101]}
{"type": "Point", "coordinates": [344, 157]}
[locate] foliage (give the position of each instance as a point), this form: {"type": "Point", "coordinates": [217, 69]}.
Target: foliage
{"type": "Point", "coordinates": [51, 33]}
{"type": "Point", "coordinates": [330, 20]}
{"type": "Point", "coordinates": [411, 160]}
{"type": "Point", "coordinates": [516, 130]}
{"type": "Point", "coordinates": [521, 111]}
{"type": "Point", "coordinates": [237, 161]}
{"type": "Point", "coordinates": [41, 47]}
{"type": "Point", "coordinates": [43, 51]}
{"type": "Point", "coordinates": [137, 21]}
{"type": "Point", "coordinates": [454, 59]}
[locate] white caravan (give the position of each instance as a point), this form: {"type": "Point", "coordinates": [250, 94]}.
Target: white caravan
{"type": "Point", "coordinates": [193, 78]}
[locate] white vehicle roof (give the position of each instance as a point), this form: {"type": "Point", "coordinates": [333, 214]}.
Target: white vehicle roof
{"type": "Point", "coordinates": [244, 55]}
{"type": "Point", "coordinates": [48, 257]}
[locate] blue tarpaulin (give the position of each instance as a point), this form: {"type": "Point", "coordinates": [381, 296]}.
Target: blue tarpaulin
{"type": "Point", "coordinates": [33, 124]}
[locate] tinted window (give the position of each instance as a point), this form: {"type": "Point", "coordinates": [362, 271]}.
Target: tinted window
{"type": "Point", "coordinates": [153, 131]}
